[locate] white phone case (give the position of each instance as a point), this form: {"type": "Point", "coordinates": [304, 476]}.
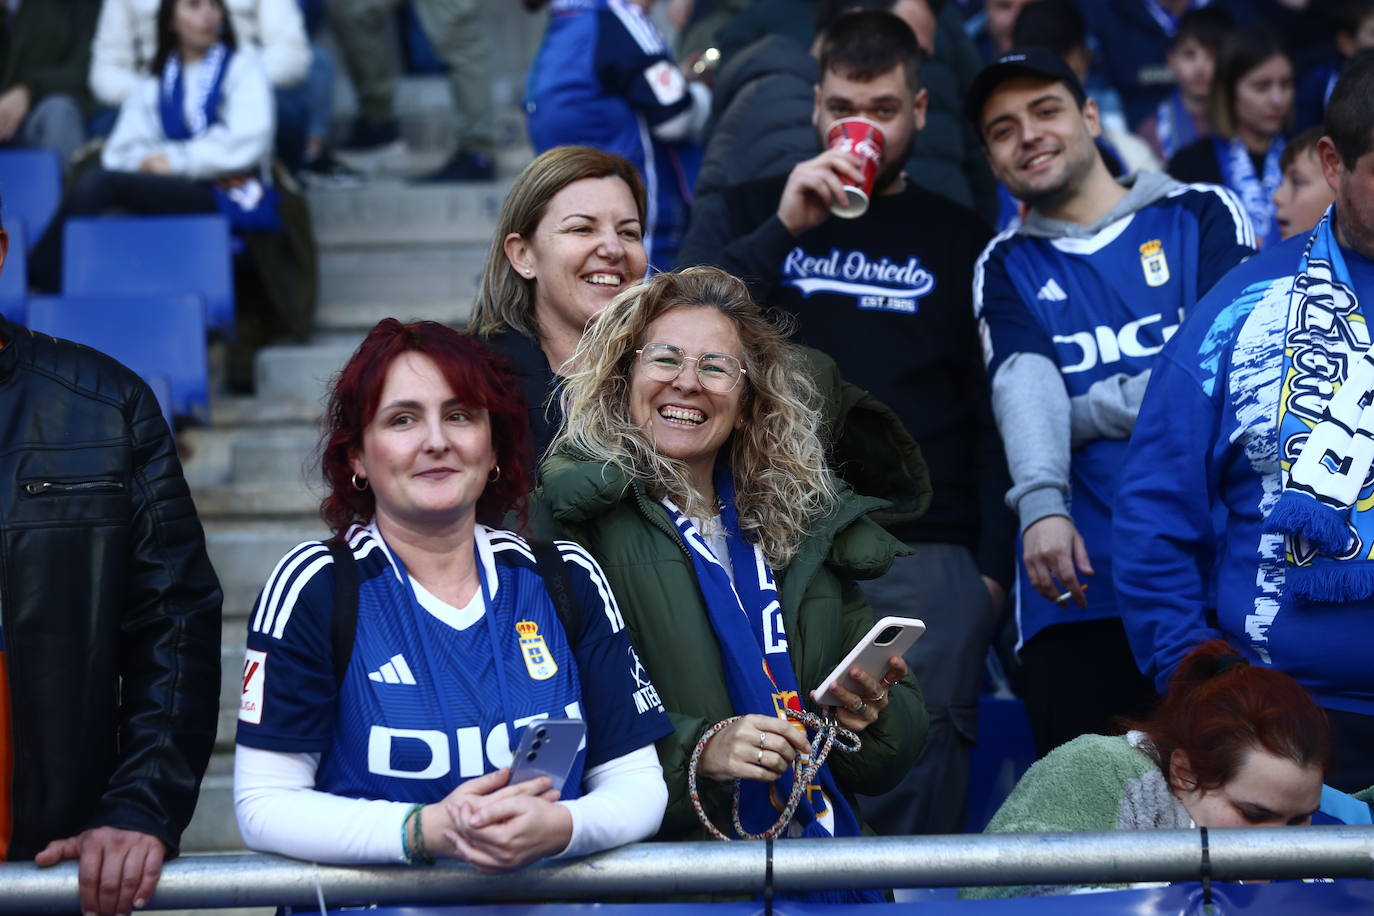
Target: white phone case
{"type": "Point", "coordinates": [871, 654]}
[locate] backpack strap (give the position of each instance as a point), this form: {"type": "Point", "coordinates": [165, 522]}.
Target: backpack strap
{"type": "Point", "coordinates": [345, 623]}
{"type": "Point", "coordinates": [559, 585]}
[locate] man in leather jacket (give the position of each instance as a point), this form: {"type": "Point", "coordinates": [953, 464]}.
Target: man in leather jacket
{"type": "Point", "coordinates": [109, 622]}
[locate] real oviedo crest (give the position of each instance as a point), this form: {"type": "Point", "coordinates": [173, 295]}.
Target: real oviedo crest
{"type": "Point", "coordinates": [1153, 263]}
{"type": "Point", "coordinates": [538, 660]}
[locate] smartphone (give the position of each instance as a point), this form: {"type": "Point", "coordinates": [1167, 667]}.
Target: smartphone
{"type": "Point", "coordinates": [548, 747]}
{"type": "Point", "coordinates": [889, 636]}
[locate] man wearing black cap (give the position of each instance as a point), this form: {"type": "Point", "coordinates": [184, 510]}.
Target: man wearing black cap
{"type": "Point", "coordinates": [1073, 303]}
{"type": "Point", "coordinates": [886, 296]}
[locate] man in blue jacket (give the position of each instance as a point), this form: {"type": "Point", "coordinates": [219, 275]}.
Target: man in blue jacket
{"type": "Point", "coordinates": [1073, 303]}
{"type": "Point", "coordinates": [1244, 505]}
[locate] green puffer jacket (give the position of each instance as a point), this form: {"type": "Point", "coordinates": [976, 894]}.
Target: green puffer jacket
{"type": "Point", "coordinates": [824, 612]}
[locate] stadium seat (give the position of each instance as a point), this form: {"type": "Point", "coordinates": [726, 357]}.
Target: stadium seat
{"type": "Point", "coordinates": [14, 278]}
{"type": "Point", "coordinates": [162, 390]}
{"type": "Point", "coordinates": [162, 338]}
{"type": "Point", "coordinates": [1001, 756]}
{"type": "Point", "coordinates": [31, 188]}
{"type": "Point", "coordinates": [153, 256]}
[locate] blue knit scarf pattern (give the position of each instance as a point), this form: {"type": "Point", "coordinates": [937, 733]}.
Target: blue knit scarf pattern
{"type": "Point", "coordinates": [747, 619]}
{"type": "Point", "coordinates": [1326, 432]}
{"type": "Point", "coordinates": [1256, 192]}
{"type": "Point", "coordinates": [208, 89]}
{"type": "Point", "coordinates": [249, 205]}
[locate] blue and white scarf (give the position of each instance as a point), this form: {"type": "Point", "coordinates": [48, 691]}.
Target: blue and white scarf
{"type": "Point", "coordinates": [1326, 432]}
{"type": "Point", "coordinates": [248, 204]}
{"type": "Point", "coordinates": [1167, 21]}
{"type": "Point", "coordinates": [1256, 193]}
{"type": "Point", "coordinates": [1174, 126]}
{"type": "Point", "coordinates": [747, 619]}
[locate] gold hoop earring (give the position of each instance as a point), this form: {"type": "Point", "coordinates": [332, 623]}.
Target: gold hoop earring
{"type": "Point", "coordinates": [494, 475]}
{"type": "Point", "coordinates": [360, 487]}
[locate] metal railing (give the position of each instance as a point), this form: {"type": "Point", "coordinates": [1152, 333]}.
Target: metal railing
{"type": "Point", "coordinates": [669, 869]}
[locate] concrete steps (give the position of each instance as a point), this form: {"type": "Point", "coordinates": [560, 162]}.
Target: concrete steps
{"type": "Point", "coordinates": [244, 553]}
{"type": "Point", "coordinates": [383, 213]}
{"type": "Point", "coordinates": [420, 280]}
{"type": "Point", "coordinates": [300, 374]}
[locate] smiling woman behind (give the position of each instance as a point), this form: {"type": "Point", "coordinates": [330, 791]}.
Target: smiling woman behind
{"type": "Point", "coordinates": [569, 238]}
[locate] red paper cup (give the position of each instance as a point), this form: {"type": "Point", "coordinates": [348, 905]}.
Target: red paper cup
{"type": "Point", "coordinates": [865, 140]}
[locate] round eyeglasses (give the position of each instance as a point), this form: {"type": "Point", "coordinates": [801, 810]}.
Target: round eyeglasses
{"type": "Point", "coordinates": [718, 372]}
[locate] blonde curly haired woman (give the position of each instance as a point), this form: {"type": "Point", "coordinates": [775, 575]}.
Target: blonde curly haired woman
{"type": "Point", "coordinates": [691, 466]}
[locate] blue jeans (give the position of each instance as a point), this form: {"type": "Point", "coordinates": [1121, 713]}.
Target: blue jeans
{"type": "Point", "coordinates": [304, 110]}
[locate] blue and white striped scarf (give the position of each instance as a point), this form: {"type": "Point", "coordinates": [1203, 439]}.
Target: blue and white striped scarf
{"type": "Point", "coordinates": [1256, 192]}
{"type": "Point", "coordinates": [1326, 432]}
{"type": "Point", "coordinates": [747, 619]}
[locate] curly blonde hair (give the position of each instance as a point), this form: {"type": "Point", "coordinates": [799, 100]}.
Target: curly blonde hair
{"type": "Point", "coordinates": [782, 483]}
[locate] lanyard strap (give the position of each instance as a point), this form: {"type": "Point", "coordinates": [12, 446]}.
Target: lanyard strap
{"type": "Point", "coordinates": [498, 662]}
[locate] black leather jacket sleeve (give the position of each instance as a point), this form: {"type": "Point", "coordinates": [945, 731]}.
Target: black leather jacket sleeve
{"type": "Point", "coordinates": [170, 641]}
{"type": "Point", "coordinates": [109, 605]}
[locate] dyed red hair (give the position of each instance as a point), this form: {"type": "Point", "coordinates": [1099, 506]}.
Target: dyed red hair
{"type": "Point", "coordinates": [1219, 706]}
{"type": "Point", "coordinates": [471, 371]}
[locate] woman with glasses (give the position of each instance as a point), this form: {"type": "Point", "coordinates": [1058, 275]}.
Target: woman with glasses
{"type": "Point", "coordinates": [691, 466]}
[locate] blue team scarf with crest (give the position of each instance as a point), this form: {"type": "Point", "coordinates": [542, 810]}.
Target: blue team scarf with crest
{"type": "Point", "coordinates": [1326, 432]}
{"type": "Point", "coordinates": [249, 205]}
{"type": "Point", "coordinates": [1256, 193]}
{"type": "Point", "coordinates": [746, 617]}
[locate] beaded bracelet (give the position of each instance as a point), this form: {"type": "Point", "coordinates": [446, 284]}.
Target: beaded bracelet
{"type": "Point", "coordinates": [405, 833]}
{"type": "Point", "coordinates": [829, 734]}
{"type": "Point", "coordinates": [417, 855]}
{"type": "Point", "coordinates": [421, 854]}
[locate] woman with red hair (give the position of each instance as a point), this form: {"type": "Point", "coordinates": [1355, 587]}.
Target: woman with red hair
{"type": "Point", "coordinates": [390, 740]}
{"type": "Point", "coordinates": [1230, 745]}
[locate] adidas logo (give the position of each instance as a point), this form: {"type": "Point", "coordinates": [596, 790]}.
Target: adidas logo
{"type": "Point", "coordinates": [395, 671]}
{"type": "Point", "coordinates": [1052, 291]}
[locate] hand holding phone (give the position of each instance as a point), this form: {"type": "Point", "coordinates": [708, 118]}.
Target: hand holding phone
{"type": "Point", "coordinates": [888, 637]}
{"type": "Point", "coordinates": [548, 747]}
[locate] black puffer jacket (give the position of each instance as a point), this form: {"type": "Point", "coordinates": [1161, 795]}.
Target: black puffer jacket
{"type": "Point", "coordinates": [109, 606]}
{"type": "Point", "coordinates": [760, 114]}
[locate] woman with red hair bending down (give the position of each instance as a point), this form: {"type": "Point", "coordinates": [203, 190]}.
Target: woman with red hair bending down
{"type": "Point", "coordinates": [1230, 745]}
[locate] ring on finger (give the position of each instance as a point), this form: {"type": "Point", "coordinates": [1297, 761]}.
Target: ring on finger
{"type": "Point", "coordinates": [861, 708]}
{"type": "Point", "coordinates": [763, 739]}
{"type": "Point", "coordinates": [879, 698]}
{"type": "Point", "coordinates": [758, 757]}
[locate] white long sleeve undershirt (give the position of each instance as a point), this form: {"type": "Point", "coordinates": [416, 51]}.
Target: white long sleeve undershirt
{"type": "Point", "coordinates": [280, 811]}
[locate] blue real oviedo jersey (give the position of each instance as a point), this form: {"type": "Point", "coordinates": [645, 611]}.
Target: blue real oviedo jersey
{"type": "Point", "coordinates": [427, 703]}
{"type": "Point", "coordinates": [1098, 307]}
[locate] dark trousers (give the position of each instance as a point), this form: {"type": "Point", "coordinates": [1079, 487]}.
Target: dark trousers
{"type": "Point", "coordinates": [99, 191]}
{"type": "Point", "coordinates": [939, 584]}
{"type": "Point", "coordinates": [1079, 679]}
